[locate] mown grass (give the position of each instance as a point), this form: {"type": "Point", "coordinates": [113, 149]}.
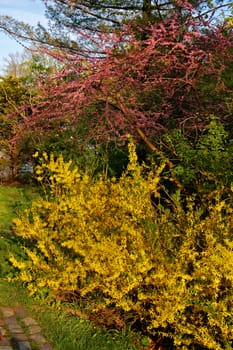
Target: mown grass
{"type": "Point", "coordinates": [63, 329]}
{"type": "Point", "coordinates": [12, 199]}
{"type": "Point", "coordinates": [65, 332]}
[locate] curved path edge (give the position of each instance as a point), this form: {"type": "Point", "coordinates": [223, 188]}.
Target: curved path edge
{"type": "Point", "coordinates": [18, 331]}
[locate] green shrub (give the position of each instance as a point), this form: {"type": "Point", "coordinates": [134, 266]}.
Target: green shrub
{"type": "Point", "coordinates": [204, 163]}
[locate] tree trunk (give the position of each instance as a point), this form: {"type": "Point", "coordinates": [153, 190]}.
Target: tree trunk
{"type": "Point", "coordinates": [146, 9]}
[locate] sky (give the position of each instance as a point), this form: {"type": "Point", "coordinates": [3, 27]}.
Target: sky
{"type": "Point", "coordinates": [29, 11]}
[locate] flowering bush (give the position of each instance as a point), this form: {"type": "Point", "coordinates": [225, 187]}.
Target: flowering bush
{"type": "Point", "coordinates": [106, 238]}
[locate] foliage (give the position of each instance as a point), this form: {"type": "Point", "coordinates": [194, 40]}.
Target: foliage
{"type": "Point", "coordinates": [150, 78]}
{"type": "Point", "coordinates": [170, 269]}
{"type": "Point", "coordinates": [142, 87]}
{"type": "Point", "coordinates": [203, 164]}
{"type": "Point", "coordinates": [13, 96]}
{"type": "Point", "coordinates": [19, 89]}
{"type": "Point", "coordinates": [19, 140]}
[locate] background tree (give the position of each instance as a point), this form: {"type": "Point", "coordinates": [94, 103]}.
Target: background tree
{"type": "Point", "coordinates": [156, 74]}
{"type": "Point", "coordinates": [14, 64]}
{"type": "Point", "coordinates": [19, 89]}
{"type": "Point", "coordinates": [13, 96]}
{"type": "Point", "coordinates": [73, 24]}
{"type": "Point", "coordinates": [145, 87]}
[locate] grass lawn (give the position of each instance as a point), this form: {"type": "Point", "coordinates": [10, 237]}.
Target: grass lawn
{"type": "Point", "coordinates": [12, 199]}
{"type": "Point", "coordinates": [63, 328]}
{"type": "Point", "coordinates": [64, 331]}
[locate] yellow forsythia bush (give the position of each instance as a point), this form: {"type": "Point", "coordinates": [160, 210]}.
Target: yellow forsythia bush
{"type": "Point", "coordinates": [104, 237]}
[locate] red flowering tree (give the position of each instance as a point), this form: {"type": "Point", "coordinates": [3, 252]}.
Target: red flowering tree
{"type": "Point", "coordinates": [153, 78]}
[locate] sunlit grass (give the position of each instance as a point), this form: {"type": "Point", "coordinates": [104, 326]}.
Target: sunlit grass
{"type": "Point", "coordinates": [65, 332]}
{"type": "Point", "coordinates": [12, 198]}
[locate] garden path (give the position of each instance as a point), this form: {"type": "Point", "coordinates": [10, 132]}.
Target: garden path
{"type": "Point", "coordinates": [18, 331]}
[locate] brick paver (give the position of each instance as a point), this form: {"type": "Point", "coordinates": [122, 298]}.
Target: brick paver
{"type": "Point", "coordinates": [19, 332]}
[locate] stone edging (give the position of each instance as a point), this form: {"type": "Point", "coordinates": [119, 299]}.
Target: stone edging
{"type": "Point", "coordinates": [19, 332]}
